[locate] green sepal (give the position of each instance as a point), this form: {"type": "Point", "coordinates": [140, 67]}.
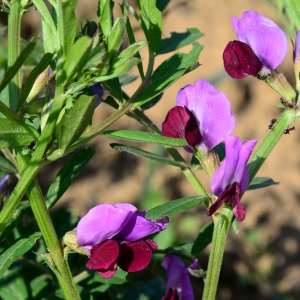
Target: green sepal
{"type": "Point", "coordinates": [142, 137]}
{"type": "Point", "coordinates": [151, 19]}
{"type": "Point", "coordinates": [17, 249]}
{"type": "Point", "coordinates": [175, 207]}
{"type": "Point", "coordinates": [76, 121]}
{"type": "Point", "coordinates": [16, 134]}
{"type": "Point", "coordinates": [149, 155]}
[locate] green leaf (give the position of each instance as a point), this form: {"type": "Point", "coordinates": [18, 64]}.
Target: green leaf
{"type": "Point", "coordinates": [105, 17]}
{"type": "Point", "coordinates": [151, 19]}
{"type": "Point", "coordinates": [118, 278]}
{"type": "Point", "coordinates": [17, 249]}
{"type": "Point", "coordinates": [67, 174]}
{"type": "Point", "coordinates": [142, 137]}
{"type": "Point", "coordinates": [175, 207]}
{"type": "Point", "coordinates": [76, 55]}
{"type": "Point", "coordinates": [115, 38]}
{"type": "Point", "coordinates": [261, 182]}
{"type": "Point", "coordinates": [16, 134]}
{"type": "Point", "coordinates": [77, 120]}
{"type": "Point", "coordinates": [162, 4]}
{"type": "Point", "coordinates": [152, 102]}
{"type": "Point", "coordinates": [14, 219]}
{"type": "Point", "coordinates": [38, 285]}
{"type": "Point", "coordinates": [127, 53]}
{"type": "Point", "coordinates": [152, 156]}
{"type": "Point", "coordinates": [178, 40]}
{"type": "Point", "coordinates": [67, 25]}
{"type": "Point", "coordinates": [203, 239]}
{"type": "Point", "coordinates": [39, 68]}
{"type": "Point", "coordinates": [6, 166]}
{"type": "Point", "coordinates": [13, 285]}
{"type": "Point", "coordinates": [168, 72]}
{"type": "Point", "coordinates": [50, 35]}
{"type": "Point", "coordinates": [12, 71]}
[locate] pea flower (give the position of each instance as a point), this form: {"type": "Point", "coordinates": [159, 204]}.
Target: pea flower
{"type": "Point", "coordinates": [231, 179]}
{"type": "Point", "coordinates": [261, 47]}
{"type": "Point", "coordinates": [178, 281]}
{"type": "Point", "coordinates": [117, 234]}
{"type": "Point", "coordinates": [202, 116]}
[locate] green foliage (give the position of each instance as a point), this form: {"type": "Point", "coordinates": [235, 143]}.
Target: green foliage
{"type": "Point", "coordinates": [203, 239]}
{"type": "Point", "coordinates": [18, 248]}
{"type": "Point", "coordinates": [261, 182]}
{"type": "Point", "coordinates": [16, 134]}
{"type": "Point", "coordinates": [67, 174]}
{"type": "Point", "coordinates": [76, 121]}
{"type": "Point", "coordinates": [141, 137]}
{"type": "Point", "coordinates": [175, 207]}
{"type": "Point", "coordinates": [149, 155]}
{"type": "Point", "coordinates": [151, 19]}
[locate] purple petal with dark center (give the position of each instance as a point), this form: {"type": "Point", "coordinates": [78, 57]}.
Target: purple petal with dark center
{"type": "Point", "coordinates": [240, 61]}
{"type": "Point", "coordinates": [103, 222]}
{"type": "Point", "coordinates": [264, 37]}
{"type": "Point", "coordinates": [139, 227]}
{"type": "Point", "coordinates": [178, 276]}
{"type": "Point", "coordinates": [212, 110]}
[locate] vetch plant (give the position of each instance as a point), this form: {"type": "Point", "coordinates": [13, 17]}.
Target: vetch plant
{"type": "Point", "coordinates": [114, 251]}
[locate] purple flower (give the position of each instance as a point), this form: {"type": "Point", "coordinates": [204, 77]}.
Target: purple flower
{"type": "Point", "coordinates": [3, 183]}
{"type": "Point", "coordinates": [266, 40]}
{"type": "Point", "coordinates": [202, 116]}
{"type": "Point", "coordinates": [98, 90]}
{"type": "Point", "coordinates": [117, 234]}
{"type": "Point", "coordinates": [297, 47]}
{"type": "Point", "coordinates": [231, 179]}
{"type": "Point", "coordinates": [178, 280]}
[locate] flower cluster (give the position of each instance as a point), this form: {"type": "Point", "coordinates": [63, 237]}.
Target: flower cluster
{"type": "Point", "coordinates": [117, 235]}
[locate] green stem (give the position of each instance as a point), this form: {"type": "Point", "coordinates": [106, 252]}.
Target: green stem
{"type": "Point", "coordinates": [267, 145]}
{"type": "Point", "coordinates": [45, 224]}
{"type": "Point", "coordinates": [222, 223]}
{"type": "Point", "coordinates": [13, 51]}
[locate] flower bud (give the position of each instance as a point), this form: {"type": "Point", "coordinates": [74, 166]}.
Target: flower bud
{"type": "Point", "coordinates": [240, 61]}
{"type": "Point", "coordinates": [70, 239]}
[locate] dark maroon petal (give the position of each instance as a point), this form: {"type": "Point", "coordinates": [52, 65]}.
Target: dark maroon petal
{"type": "Point", "coordinates": [181, 123]}
{"type": "Point", "coordinates": [110, 272]}
{"type": "Point", "coordinates": [134, 256]}
{"type": "Point", "coordinates": [152, 244]}
{"type": "Point", "coordinates": [104, 256]}
{"type": "Point", "coordinates": [215, 206]}
{"type": "Point", "coordinates": [240, 61]}
{"type": "Point", "coordinates": [237, 207]}
{"type": "Point", "coordinates": [171, 295]}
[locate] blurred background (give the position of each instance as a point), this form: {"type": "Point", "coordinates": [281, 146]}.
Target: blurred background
{"type": "Point", "coordinates": [263, 260]}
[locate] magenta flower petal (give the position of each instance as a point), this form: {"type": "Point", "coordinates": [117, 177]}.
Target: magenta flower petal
{"type": "Point", "coordinates": [171, 295]}
{"type": "Point", "coordinates": [134, 256]}
{"type": "Point", "coordinates": [181, 123]}
{"type": "Point", "coordinates": [264, 37]}
{"type": "Point", "coordinates": [103, 222]}
{"type": "Point", "coordinates": [211, 109]}
{"type": "Point", "coordinates": [177, 277]}
{"type": "Point", "coordinates": [104, 258]}
{"type": "Point", "coordinates": [138, 227]}
{"type": "Point", "coordinates": [240, 61]}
